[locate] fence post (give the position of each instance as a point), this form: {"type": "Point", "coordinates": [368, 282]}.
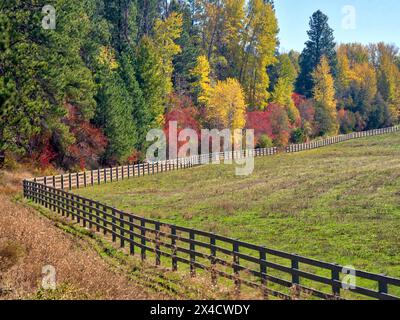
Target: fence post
{"type": "Point", "coordinates": [84, 212]}
{"type": "Point", "coordinates": [105, 224]}
{"type": "Point", "coordinates": [143, 239]}
{"type": "Point", "coordinates": [213, 260]}
{"type": "Point", "coordinates": [78, 213]}
{"type": "Point", "coordinates": [97, 217]}
{"type": "Point", "coordinates": [383, 287]}
{"type": "Point", "coordinates": [174, 249]}
{"type": "Point", "coordinates": [157, 246]}
{"type": "Point", "coordinates": [295, 276]}
{"type": "Point", "coordinates": [335, 278]}
{"type": "Point", "coordinates": [263, 271]}
{"type": "Point", "coordinates": [131, 236]}
{"type": "Point", "coordinates": [192, 253]}
{"type": "Point", "coordinates": [63, 203]}
{"type": "Point", "coordinates": [236, 267]}
{"type": "Point", "coordinates": [114, 236]}
{"type": "Point", "coordinates": [122, 226]}
{"type": "Point", "coordinates": [67, 204]}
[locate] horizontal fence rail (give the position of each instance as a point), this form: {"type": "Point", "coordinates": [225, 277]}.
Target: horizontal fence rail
{"type": "Point", "coordinates": [93, 177]}
{"type": "Point", "coordinates": [275, 273]}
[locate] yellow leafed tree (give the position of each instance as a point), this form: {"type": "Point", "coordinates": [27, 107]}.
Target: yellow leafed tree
{"type": "Point", "coordinates": [165, 33]}
{"type": "Point", "coordinates": [259, 41]}
{"type": "Point", "coordinates": [324, 96]}
{"type": "Point", "coordinates": [202, 85]}
{"type": "Point", "coordinates": [226, 107]}
{"type": "Point", "coordinates": [107, 58]}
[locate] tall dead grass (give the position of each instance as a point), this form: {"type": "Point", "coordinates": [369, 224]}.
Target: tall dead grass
{"type": "Point", "coordinates": [28, 242]}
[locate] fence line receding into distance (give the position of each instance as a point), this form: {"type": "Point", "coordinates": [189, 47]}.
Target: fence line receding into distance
{"type": "Point", "coordinates": [274, 272]}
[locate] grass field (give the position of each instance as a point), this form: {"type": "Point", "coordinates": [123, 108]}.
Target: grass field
{"type": "Point", "coordinates": [339, 203]}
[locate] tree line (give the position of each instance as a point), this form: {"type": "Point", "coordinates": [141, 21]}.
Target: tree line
{"type": "Point", "coordinates": [87, 93]}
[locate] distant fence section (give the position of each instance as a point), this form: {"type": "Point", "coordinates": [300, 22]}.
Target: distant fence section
{"type": "Point", "coordinates": [275, 273]}
{"type": "Point", "coordinates": [105, 175]}
{"type": "Point", "coordinates": [340, 138]}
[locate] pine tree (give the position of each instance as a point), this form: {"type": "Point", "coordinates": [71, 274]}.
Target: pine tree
{"type": "Point", "coordinates": [321, 43]}
{"type": "Point", "coordinates": [151, 80]}
{"type": "Point", "coordinates": [46, 74]}
{"type": "Point", "coordinates": [148, 11]}
{"type": "Point", "coordinates": [190, 44]}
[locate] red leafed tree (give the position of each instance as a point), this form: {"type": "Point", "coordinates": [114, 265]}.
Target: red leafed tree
{"type": "Point", "coordinates": [298, 99]}
{"type": "Point", "coordinates": [181, 110]}
{"type": "Point", "coordinates": [273, 122]}
{"type": "Point", "coordinates": [89, 144]}
{"type": "Point", "coordinates": [47, 155]}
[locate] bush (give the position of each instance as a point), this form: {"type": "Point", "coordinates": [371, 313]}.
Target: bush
{"type": "Point", "coordinates": [298, 135]}
{"type": "Point", "coordinates": [264, 142]}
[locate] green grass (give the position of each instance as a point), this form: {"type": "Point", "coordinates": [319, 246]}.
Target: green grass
{"type": "Point", "coordinates": [338, 204]}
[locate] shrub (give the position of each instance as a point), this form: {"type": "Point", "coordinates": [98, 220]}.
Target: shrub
{"type": "Point", "coordinates": [264, 142]}
{"type": "Point", "coordinates": [298, 135]}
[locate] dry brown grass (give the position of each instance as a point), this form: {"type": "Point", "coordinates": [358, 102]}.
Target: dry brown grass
{"type": "Point", "coordinates": [87, 266]}
{"type": "Point", "coordinates": [28, 242]}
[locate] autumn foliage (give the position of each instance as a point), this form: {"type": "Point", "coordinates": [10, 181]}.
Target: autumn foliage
{"type": "Point", "coordinates": [89, 143]}
{"type": "Point", "coordinates": [182, 111]}
{"type": "Point", "coordinates": [273, 122]}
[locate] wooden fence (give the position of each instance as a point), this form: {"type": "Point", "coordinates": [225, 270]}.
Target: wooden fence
{"type": "Point", "coordinates": [274, 273]}
{"type": "Point", "coordinates": [340, 138]}
{"type": "Point", "coordinates": [104, 175]}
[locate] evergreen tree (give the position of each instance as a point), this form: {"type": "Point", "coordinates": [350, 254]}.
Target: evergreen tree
{"type": "Point", "coordinates": [148, 11]}
{"type": "Point", "coordinates": [115, 110]}
{"type": "Point", "coordinates": [321, 43]}
{"type": "Point", "coordinates": [149, 74]}
{"type": "Point", "coordinates": [380, 115]}
{"type": "Point", "coordinates": [189, 42]}
{"type": "Point", "coordinates": [45, 73]}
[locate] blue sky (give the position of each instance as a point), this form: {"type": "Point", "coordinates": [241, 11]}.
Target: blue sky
{"type": "Point", "coordinates": [376, 20]}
